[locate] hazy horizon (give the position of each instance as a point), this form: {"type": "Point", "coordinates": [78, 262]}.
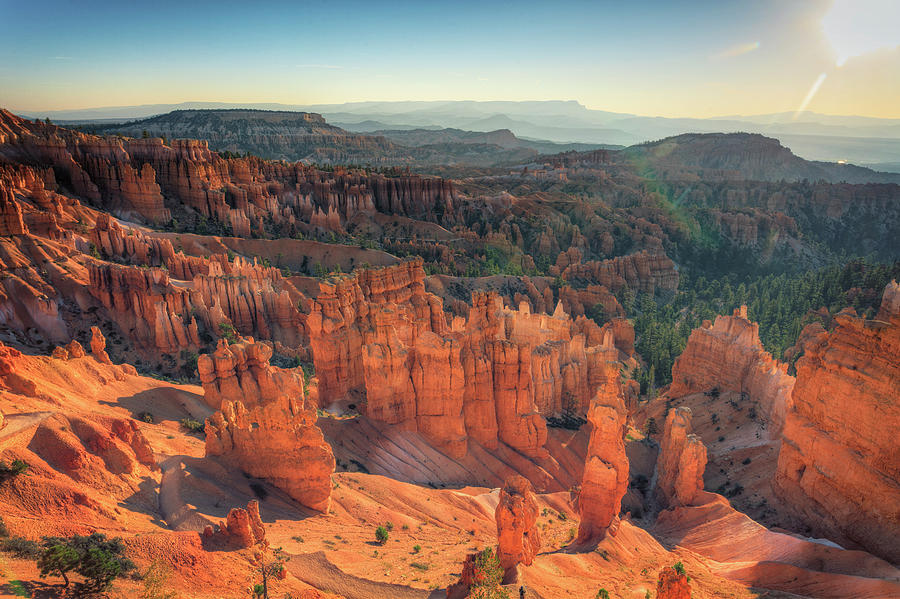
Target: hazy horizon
{"type": "Point", "coordinates": [674, 60]}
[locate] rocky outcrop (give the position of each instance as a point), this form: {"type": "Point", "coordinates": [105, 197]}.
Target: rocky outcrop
{"type": "Point", "coordinates": [242, 528]}
{"type": "Point", "coordinates": [98, 346]}
{"type": "Point", "coordinates": [729, 356]}
{"type": "Point", "coordinates": [672, 585]}
{"type": "Point", "coordinates": [838, 466]}
{"type": "Point", "coordinates": [681, 462]}
{"type": "Point", "coordinates": [241, 372]}
{"type": "Point", "coordinates": [606, 470]}
{"type": "Point", "coordinates": [644, 271]}
{"type": "Point", "coordinates": [277, 441]}
{"type": "Point", "coordinates": [518, 537]}
{"type": "Point", "coordinates": [491, 377]}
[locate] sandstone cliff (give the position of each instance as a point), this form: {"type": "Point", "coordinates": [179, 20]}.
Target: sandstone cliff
{"type": "Point", "coordinates": [276, 441]}
{"type": "Point", "coordinates": [838, 466]}
{"type": "Point", "coordinates": [491, 377]}
{"type": "Point", "coordinates": [729, 356]}
{"type": "Point", "coordinates": [241, 372]}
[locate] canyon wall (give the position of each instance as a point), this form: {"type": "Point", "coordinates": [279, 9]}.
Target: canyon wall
{"type": "Point", "coordinates": [491, 377]}
{"type": "Point", "coordinates": [729, 356]}
{"type": "Point", "coordinates": [839, 468]}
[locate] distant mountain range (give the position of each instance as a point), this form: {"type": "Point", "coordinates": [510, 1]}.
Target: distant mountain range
{"type": "Point", "coordinates": [860, 140]}
{"type": "Point", "coordinates": [288, 135]}
{"type": "Point", "coordinates": [739, 156]}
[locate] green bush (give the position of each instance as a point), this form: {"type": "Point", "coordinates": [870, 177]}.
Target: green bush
{"type": "Point", "coordinates": [195, 426]}
{"type": "Point", "coordinates": [417, 548]}
{"type": "Point", "coordinates": [381, 535]}
{"type": "Point", "coordinates": [98, 560]}
{"type": "Point", "coordinates": [602, 594]}
{"type": "Point", "coordinates": [11, 470]}
{"type": "Point", "coordinates": [22, 548]}
{"type": "Point", "coordinates": [679, 567]}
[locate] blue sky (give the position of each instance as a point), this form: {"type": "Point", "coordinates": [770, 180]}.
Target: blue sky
{"type": "Point", "coordinates": [656, 58]}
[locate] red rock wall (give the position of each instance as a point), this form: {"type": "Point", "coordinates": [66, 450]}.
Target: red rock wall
{"type": "Point", "coordinates": [644, 271]}
{"type": "Point", "coordinates": [278, 441]}
{"type": "Point", "coordinates": [839, 468]}
{"type": "Point", "coordinates": [729, 356]}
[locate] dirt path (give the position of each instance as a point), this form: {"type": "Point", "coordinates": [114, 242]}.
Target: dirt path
{"type": "Point", "coordinates": [315, 570]}
{"type": "Point", "coordinates": [16, 423]}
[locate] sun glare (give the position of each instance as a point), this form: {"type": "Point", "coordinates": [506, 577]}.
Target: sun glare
{"type": "Point", "coordinates": [857, 27]}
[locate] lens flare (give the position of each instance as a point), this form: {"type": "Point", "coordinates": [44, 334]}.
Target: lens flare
{"type": "Point", "coordinates": [738, 50]}
{"type": "Point", "coordinates": [809, 96]}
{"type": "Point", "coordinates": [857, 27]}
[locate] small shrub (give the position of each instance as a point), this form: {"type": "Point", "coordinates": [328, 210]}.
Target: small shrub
{"type": "Point", "coordinates": [417, 548]}
{"type": "Point", "coordinates": [8, 471]}
{"type": "Point", "coordinates": [679, 567]}
{"type": "Point", "coordinates": [22, 548]}
{"type": "Point", "coordinates": [194, 426]}
{"type": "Point", "coordinates": [419, 566]}
{"type": "Point", "coordinates": [146, 417]}
{"type": "Point", "coordinates": [602, 594]}
{"type": "Point", "coordinates": [155, 579]}
{"type": "Point", "coordinates": [746, 461]}
{"type": "Point", "coordinates": [381, 535]}
{"type": "Point", "coordinates": [389, 525]}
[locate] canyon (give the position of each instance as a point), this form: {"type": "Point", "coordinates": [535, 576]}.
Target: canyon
{"type": "Point", "coordinates": [217, 356]}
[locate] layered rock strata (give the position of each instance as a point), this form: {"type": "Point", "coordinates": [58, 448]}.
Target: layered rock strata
{"type": "Point", "coordinates": [681, 462]}
{"type": "Point", "coordinates": [729, 356]}
{"type": "Point", "coordinates": [276, 437]}
{"type": "Point", "coordinates": [518, 537]}
{"type": "Point", "coordinates": [839, 468]}
{"type": "Point", "coordinates": [490, 377]}
{"type": "Point", "coordinates": [606, 470]}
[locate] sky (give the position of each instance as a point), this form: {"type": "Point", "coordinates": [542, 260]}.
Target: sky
{"type": "Point", "coordinates": [657, 58]}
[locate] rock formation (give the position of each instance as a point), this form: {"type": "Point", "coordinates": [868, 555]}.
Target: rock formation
{"type": "Point", "coordinates": [518, 537]}
{"type": "Point", "coordinates": [490, 377]}
{"type": "Point", "coordinates": [838, 466]}
{"type": "Point", "coordinates": [681, 462]}
{"type": "Point", "coordinates": [276, 437]}
{"type": "Point", "coordinates": [606, 470]}
{"type": "Point", "coordinates": [241, 372]}
{"type": "Point", "coordinates": [672, 585]}
{"type": "Point", "coordinates": [98, 346]}
{"type": "Point", "coordinates": [643, 271]}
{"type": "Point", "coordinates": [729, 356]}
{"type": "Point", "coordinates": [242, 528]}
{"type": "Point", "coordinates": [277, 441]}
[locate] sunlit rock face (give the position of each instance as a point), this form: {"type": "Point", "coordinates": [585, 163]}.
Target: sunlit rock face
{"type": "Point", "coordinates": [266, 425]}
{"type": "Point", "coordinates": [729, 356]}
{"type": "Point", "coordinates": [518, 537]}
{"type": "Point", "coordinates": [839, 468]}
{"type": "Point", "coordinates": [491, 377]}
{"type": "Point", "coordinates": [606, 470]}
{"type": "Point", "coordinates": [682, 461]}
